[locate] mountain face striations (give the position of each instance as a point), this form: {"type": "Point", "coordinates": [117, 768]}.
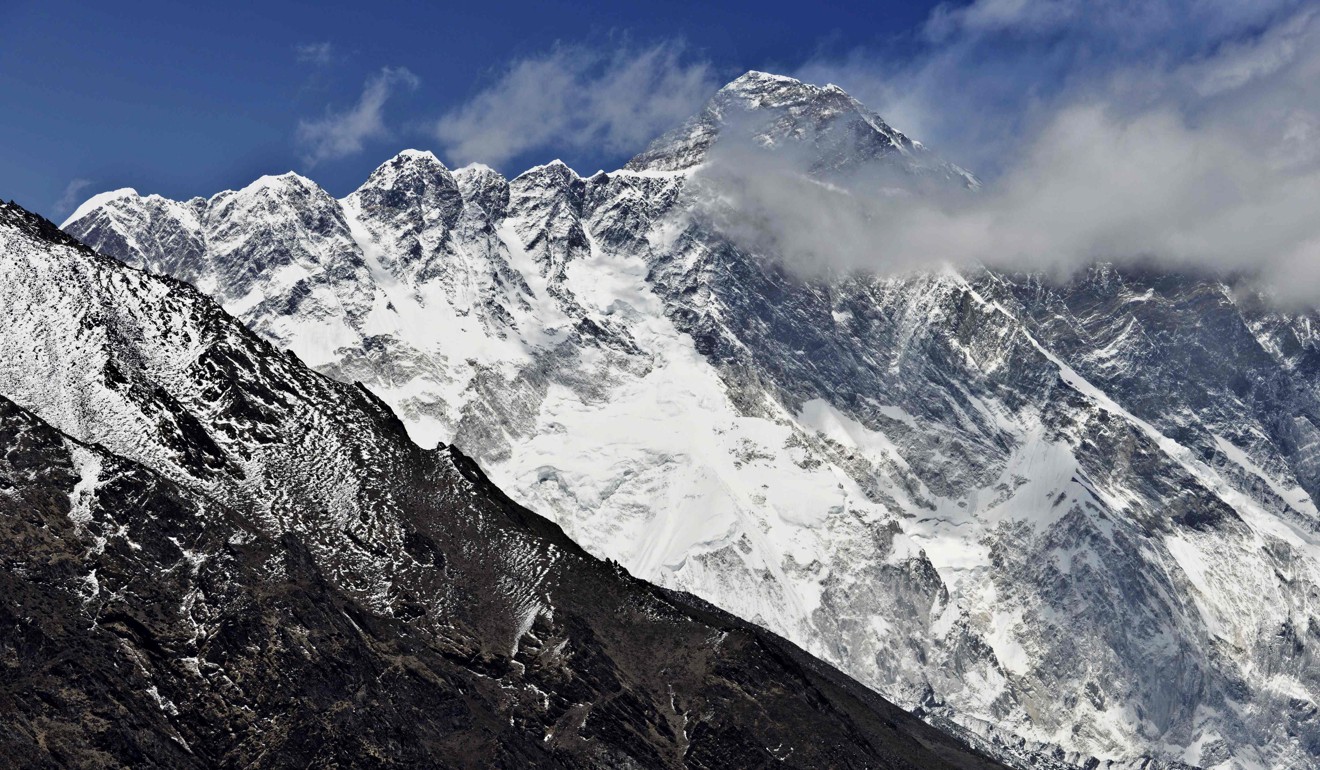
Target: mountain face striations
{"type": "Point", "coordinates": [216, 557]}
{"type": "Point", "coordinates": [1064, 519]}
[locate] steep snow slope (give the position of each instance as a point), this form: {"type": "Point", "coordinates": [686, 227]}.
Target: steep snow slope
{"type": "Point", "coordinates": [1048, 514]}
{"type": "Point", "coordinates": [215, 557]}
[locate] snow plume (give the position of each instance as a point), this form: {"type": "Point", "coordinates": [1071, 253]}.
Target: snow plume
{"type": "Point", "coordinates": [71, 195]}
{"type": "Point", "coordinates": [1202, 156]}
{"type": "Point", "coordinates": [340, 134]}
{"type": "Point", "coordinates": [576, 98]}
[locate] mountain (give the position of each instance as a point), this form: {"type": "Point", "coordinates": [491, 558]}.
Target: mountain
{"type": "Point", "coordinates": [1069, 520]}
{"type": "Point", "coordinates": [216, 557]}
{"type": "Point", "coordinates": [837, 132]}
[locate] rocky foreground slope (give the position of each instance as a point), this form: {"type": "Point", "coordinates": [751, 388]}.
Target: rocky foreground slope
{"type": "Point", "coordinates": [1074, 515]}
{"type": "Point", "coordinates": [215, 557]}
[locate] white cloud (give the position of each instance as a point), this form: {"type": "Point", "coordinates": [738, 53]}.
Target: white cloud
{"type": "Point", "coordinates": [992, 73]}
{"type": "Point", "coordinates": [1120, 25]}
{"type": "Point", "coordinates": [319, 54]}
{"type": "Point", "coordinates": [999, 15]}
{"type": "Point", "coordinates": [576, 98]}
{"type": "Point", "coordinates": [1094, 186]}
{"type": "Point", "coordinates": [71, 196]}
{"type": "Point", "coordinates": [1207, 160]}
{"type": "Point", "coordinates": [340, 134]}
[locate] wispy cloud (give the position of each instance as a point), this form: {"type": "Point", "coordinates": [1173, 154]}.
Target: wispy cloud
{"type": "Point", "coordinates": [319, 54]}
{"type": "Point", "coordinates": [342, 133]}
{"type": "Point", "coordinates": [992, 73]}
{"type": "Point", "coordinates": [575, 98]}
{"type": "Point", "coordinates": [1193, 144]}
{"type": "Point", "coordinates": [71, 196]}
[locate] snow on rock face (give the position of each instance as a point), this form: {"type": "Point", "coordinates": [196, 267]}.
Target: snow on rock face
{"type": "Point", "coordinates": [412, 204]}
{"type": "Point", "coordinates": [172, 243]}
{"type": "Point", "coordinates": [1020, 507]}
{"type": "Point", "coordinates": [545, 210]}
{"type": "Point", "coordinates": [484, 190]}
{"type": "Point", "coordinates": [236, 547]}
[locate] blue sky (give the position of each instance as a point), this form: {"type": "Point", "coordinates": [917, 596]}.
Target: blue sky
{"type": "Point", "coordinates": [1179, 130]}
{"type": "Point", "coordinates": [190, 98]}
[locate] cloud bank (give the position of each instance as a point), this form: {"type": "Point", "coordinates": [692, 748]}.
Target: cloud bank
{"type": "Point", "coordinates": [1184, 133]}
{"type": "Point", "coordinates": [575, 98]}
{"type": "Point", "coordinates": [341, 134]}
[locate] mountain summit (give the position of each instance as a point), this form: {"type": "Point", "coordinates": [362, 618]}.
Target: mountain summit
{"type": "Point", "coordinates": [768, 110]}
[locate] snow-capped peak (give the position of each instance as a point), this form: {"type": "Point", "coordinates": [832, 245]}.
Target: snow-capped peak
{"type": "Point", "coordinates": [773, 109]}
{"type": "Point", "coordinates": [555, 167]}
{"type": "Point", "coordinates": [97, 201]}
{"type": "Point", "coordinates": [757, 78]}
{"type": "Point", "coordinates": [415, 161]}
{"type": "Point", "coordinates": [277, 182]}
{"type": "Point", "coordinates": [475, 168]}
{"type": "Point", "coordinates": [413, 170]}
{"type": "Point", "coordinates": [417, 154]}
{"type": "Point", "coordinates": [761, 90]}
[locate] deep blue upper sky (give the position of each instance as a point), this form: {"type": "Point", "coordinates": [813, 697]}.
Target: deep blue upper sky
{"type": "Point", "coordinates": [187, 99]}
{"type": "Point", "coordinates": [1178, 129]}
